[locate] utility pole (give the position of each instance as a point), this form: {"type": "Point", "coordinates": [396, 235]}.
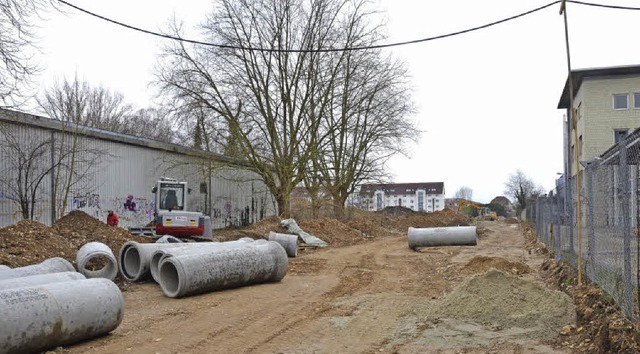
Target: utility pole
{"type": "Point", "coordinates": [574, 125]}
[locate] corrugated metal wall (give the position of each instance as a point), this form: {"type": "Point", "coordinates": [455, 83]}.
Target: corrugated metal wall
{"type": "Point", "coordinates": [112, 172]}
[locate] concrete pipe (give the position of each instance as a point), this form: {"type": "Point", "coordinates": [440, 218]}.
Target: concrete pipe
{"type": "Point", "coordinates": [199, 273]}
{"type": "Point", "coordinates": [289, 242]}
{"type": "Point", "coordinates": [4, 267]}
{"type": "Point", "coordinates": [51, 265]}
{"type": "Point", "coordinates": [97, 251]}
{"type": "Point", "coordinates": [134, 258]}
{"type": "Point", "coordinates": [208, 247]}
{"type": "Point", "coordinates": [36, 318]}
{"type": "Point", "coordinates": [442, 236]}
{"type": "Point", "coordinates": [168, 239]}
{"type": "Point", "coordinates": [40, 279]}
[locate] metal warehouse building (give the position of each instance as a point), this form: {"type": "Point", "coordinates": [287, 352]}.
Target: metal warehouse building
{"type": "Point", "coordinates": [55, 167]}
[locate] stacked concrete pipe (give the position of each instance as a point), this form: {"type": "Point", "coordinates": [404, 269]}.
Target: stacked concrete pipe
{"type": "Point", "coordinates": [51, 265]}
{"type": "Point", "coordinates": [134, 258]}
{"type": "Point", "coordinates": [442, 236]}
{"type": "Point", "coordinates": [190, 274]}
{"type": "Point", "coordinates": [93, 250]}
{"type": "Point", "coordinates": [36, 318]}
{"type": "Point", "coordinates": [40, 279]}
{"type": "Point", "coordinates": [289, 242]}
{"type": "Point", "coordinates": [205, 247]}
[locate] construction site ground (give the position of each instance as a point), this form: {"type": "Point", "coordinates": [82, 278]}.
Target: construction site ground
{"type": "Point", "coordinates": [369, 293]}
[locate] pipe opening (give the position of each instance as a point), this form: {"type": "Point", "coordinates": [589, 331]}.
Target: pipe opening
{"type": "Point", "coordinates": [154, 265]}
{"type": "Point", "coordinates": [131, 263]}
{"type": "Point", "coordinates": [99, 266]}
{"type": "Point", "coordinates": [169, 278]}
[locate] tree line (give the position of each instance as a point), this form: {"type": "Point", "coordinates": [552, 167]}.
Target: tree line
{"type": "Point", "coordinates": [325, 120]}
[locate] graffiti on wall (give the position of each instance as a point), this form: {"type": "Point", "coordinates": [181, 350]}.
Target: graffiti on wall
{"type": "Point", "coordinates": [132, 211]}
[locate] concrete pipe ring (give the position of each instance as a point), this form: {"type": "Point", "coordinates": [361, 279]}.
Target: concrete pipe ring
{"type": "Point", "coordinates": [97, 252]}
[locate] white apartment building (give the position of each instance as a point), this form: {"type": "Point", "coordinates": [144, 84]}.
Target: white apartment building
{"type": "Point", "coordinates": [426, 196]}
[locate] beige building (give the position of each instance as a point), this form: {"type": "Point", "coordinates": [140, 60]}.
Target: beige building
{"type": "Point", "coordinates": [607, 104]}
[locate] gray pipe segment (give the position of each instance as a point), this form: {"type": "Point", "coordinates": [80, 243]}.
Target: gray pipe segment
{"type": "Point", "coordinates": [289, 242]}
{"type": "Point", "coordinates": [93, 250]}
{"type": "Point", "coordinates": [258, 262]}
{"type": "Point", "coordinates": [205, 247]}
{"type": "Point", "coordinates": [39, 279]}
{"type": "Point", "coordinates": [168, 239]}
{"type": "Point", "coordinates": [51, 265]}
{"type": "Point", "coordinates": [134, 258]}
{"type": "Point", "coordinates": [36, 318]}
{"type": "Point", "coordinates": [442, 236]}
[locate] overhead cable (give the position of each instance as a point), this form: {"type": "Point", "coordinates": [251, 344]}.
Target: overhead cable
{"type": "Point", "coordinates": [318, 50]}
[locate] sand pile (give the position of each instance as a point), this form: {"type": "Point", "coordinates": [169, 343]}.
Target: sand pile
{"type": "Point", "coordinates": [481, 264]}
{"type": "Point", "coordinates": [502, 299]}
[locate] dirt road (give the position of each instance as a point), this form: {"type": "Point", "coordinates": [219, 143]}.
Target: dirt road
{"type": "Point", "coordinates": [376, 297]}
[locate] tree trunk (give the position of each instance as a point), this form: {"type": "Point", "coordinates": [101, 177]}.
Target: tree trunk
{"type": "Point", "coordinates": [282, 202]}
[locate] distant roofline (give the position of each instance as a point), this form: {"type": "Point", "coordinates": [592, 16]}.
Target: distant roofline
{"type": "Point", "coordinates": [579, 74]}
{"type": "Point", "coordinates": [371, 187]}
{"type": "Point", "coordinates": [17, 117]}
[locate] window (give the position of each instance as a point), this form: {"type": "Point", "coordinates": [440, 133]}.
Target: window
{"type": "Point", "coordinates": [420, 201]}
{"type": "Point", "coordinates": [579, 111]}
{"type": "Point", "coordinates": [636, 100]}
{"type": "Point", "coordinates": [621, 101]}
{"type": "Point", "coordinates": [580, 146]}
{"type": "Point", "coordinates": [619, 134]}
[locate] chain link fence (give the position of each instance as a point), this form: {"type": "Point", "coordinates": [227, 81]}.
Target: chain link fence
{"type": "Point", "coordinates": [605, 235]}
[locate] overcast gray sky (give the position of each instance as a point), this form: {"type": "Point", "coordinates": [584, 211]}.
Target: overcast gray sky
{"type": "Point", "coordinates": [486, 100]}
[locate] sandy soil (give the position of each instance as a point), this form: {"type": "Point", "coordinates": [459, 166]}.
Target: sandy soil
{"type": "Point", "coordinates": [367, 298]}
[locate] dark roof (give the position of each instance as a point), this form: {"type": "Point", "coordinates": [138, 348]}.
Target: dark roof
{"type": "Point", "coordinates": [580, 74]}
{"type": "Point", "coordinates": [402, 188]}
{"type": "Point", "coordinates": [21, 118]}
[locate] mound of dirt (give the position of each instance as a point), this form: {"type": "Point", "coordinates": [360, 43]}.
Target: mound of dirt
{"type": "Point", "coordinates": [333, 232]}
{"type": "Point", "coordinates": [481, 264]}
{"type": "Point", "coordinates": [258, 230]}
{"type": "Point", "coordinates": [507, 301]}
{"type": "Point", "coordinates": [396, 210]}
{"type": "Point", "coordinates": [601, 326]}
{"type": "Point", "coordinates": [370, 228]}
{"type": "Point", "coordinates": [360, 227]}
{"type": "Point", "coordinates": [29, 242]}
{"type": "Point", "coordinates": [440, 218]}
{"type": "Point", "coordinates": [79, 228]}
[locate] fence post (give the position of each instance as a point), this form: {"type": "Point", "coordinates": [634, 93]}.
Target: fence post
{"type": "Point", "coordinates": [627, 306]}
{"type": "Point", "coordinates": [590, 220]}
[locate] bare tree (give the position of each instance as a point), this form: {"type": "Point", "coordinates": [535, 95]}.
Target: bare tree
{"type": "Point", "coordinates": [464, 192]}
{"type": "Point", "coordinates": [521, 188]}
{"type": "Point", "coordinates": [366, 125]}
{"type": "Point", "coordinates": [16, 41]}
{"type": "Point", "coordinates": [77, 102]}
{"type": "Point", "coordinates": [274, 107]}
{"type": "Point", "coordinates": [24, 167]}
{"type": "Point", "coordinates": [262, 97]}
{"type": "Point", "coordinates": [150, 123]}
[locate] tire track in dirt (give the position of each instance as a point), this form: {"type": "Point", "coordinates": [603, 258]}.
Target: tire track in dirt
{"type": "Point", "coordinates": [352, 277]}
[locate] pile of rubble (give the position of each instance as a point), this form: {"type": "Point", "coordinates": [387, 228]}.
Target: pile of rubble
{"type": "Point", "coordinates": [601, 325]}
{"type": "Point", "coordinates": [29, 242]}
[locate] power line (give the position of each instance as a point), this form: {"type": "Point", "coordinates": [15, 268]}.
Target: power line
{"type": "Point", "coordinates": [603, 5]}
{"type": "Point", "coordinates": [319, 50]}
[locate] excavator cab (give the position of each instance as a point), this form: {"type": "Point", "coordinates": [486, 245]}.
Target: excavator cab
{"type": "Point", "coordinates": [171, 215]}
